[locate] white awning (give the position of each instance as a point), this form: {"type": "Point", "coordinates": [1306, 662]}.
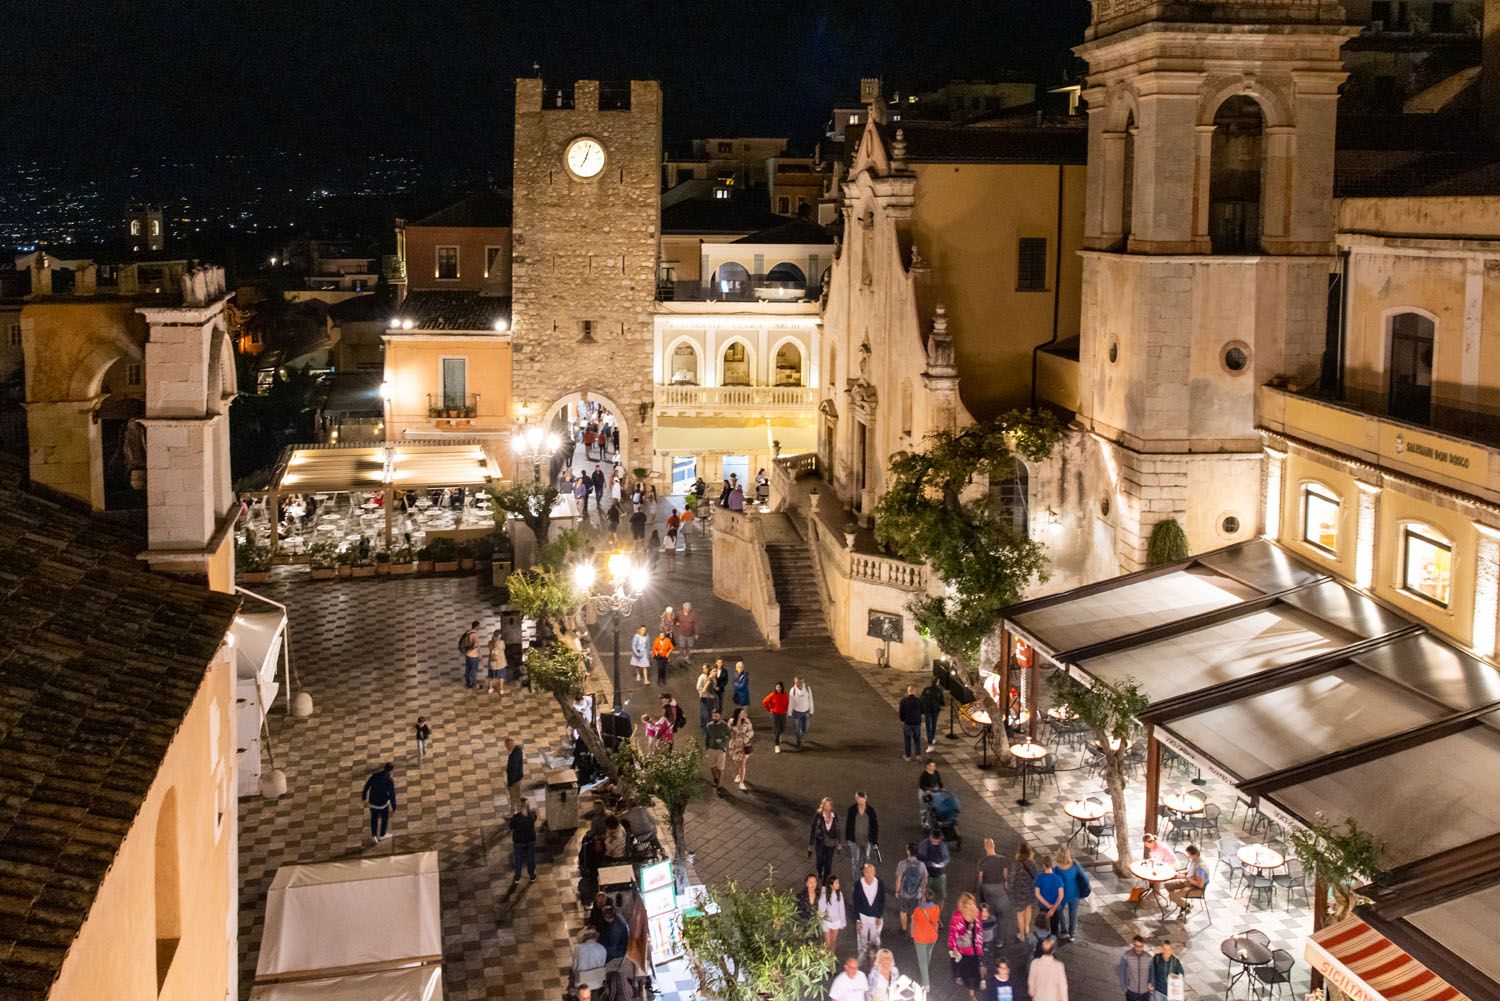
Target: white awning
{"type": "Point", "coordinates": [417, 983]}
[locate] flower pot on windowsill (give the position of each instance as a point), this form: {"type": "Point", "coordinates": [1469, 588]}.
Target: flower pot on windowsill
{"type": "Point", "coordinates": [324, 573]}
{"type": "Point", "coordinates": [402, 569]}
{"type": "Point", "coordinates": [445, 566]}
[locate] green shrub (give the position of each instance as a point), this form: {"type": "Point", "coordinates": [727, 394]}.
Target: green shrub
{"type": "Point", "coordinates": [1168, 544]}
{"type": "Point", "coordinates": [323, 555]}
{"type": "Point", "coordinates": [251, 557]}
{"type": "Point", "coordinates": [442, 550]}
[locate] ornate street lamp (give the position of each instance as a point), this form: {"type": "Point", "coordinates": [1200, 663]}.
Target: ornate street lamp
{"type": "Point", "coordinates": [626, 582]}
{"type": "Point", "coordinates": [535, 444]}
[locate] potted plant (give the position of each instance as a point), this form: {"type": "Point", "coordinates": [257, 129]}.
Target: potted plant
{"type": "Point", "coordinates": [775, 448]}
{"type": "Point", "coordinates": [434, 412]}
{"type": "Point", "coordinates": [444, 555]}
{"type": "Point", "coordinates": [424, 559]}
{"type": "Point", "coordinates": [364, 566]}
{"type": "Point", "coordinates": [466, 555]}
{"type": "Point", "coordinates": [253, 561]}
{"type": "Point", "coordinates": [323, 558]}
{"type": "Point", "coordinates": [382, 562]}
{"type": "Point", "coordinates": [401, 561]}
{"type": "Point", "coordinates": [346, 559]}
{"type": "Point", "coordinates": [850, 529]}
{"type": "Point", "coordinates": [502, 559]}
{"type": "Point", "coordinates": [469, 412]}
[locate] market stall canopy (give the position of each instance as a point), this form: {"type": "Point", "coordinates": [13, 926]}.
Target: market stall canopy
{"type": "Point", "coordinates": [314, 468]}
{"type": "Point", "coordinates": [359, 916]}
{"type": "Point", "coordinates": [417, 983]}
{"type": "Point", "coordinates": [1367, 966]}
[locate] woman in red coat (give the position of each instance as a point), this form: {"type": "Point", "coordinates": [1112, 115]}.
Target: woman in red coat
{"type": "Point", "coordinates": [776, 705]}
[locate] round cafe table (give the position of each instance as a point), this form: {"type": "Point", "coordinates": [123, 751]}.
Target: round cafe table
{"type": "Point", "coordinates": [1183, 803]}
{"type": "Point", "coordinates": [1262, 859]}
{"type": "Point", "coordinates": [1082, 812]}
{"type": "Point", "coordinates": [1155, 872]}
{"type": "Point", "coordinates": [1027, 754]}
{"type": "Point", "coordinates": [1243, 952]}
{"type": "Point", "coordinates": [1059, 713]}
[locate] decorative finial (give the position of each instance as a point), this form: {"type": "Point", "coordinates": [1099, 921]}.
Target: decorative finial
{"type": "Point", "coordinates": [898, 150]}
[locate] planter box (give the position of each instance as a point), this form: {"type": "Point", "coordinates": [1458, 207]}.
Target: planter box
{"type": "Point", "coordinates": [324, 573]}
{"type": "Point", "coordinates": [346, 572]}
{"type": "Point", "coordinates": [425, 566]}
{"type": "Point", "coordinates": [466, 563]}
{"type": "Point", "coordinates": [255, 576]}
{"type": "Point", "coordinates": [402, 569]}
{"type": "Point", "coordinates": [446, 566]}
{"type": "Point", "coordinates": [382, 569]}
{"type": "Point", "coordinates": [364, 571]}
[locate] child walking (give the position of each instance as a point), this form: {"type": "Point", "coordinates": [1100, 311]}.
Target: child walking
{"type": "Point", "coordinates": [424, 733]}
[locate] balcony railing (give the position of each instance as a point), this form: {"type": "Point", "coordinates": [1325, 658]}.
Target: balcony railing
{"type": "Point", "coordinates": [757, 289]}
{"type": "Point", "coordinates": [452, 405]}
{"type": "Point", "coordinates": [736, 397]}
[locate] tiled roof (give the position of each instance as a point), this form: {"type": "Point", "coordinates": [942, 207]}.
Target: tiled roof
{"type": "Point", "coordinates": [796, 231]}
{"type": "Point", "coordinates": [459, 310]}
{"type": "Point", "coordinates": [484, 209]}
{"type": "Point", "coordinates": [99, 661]}
{"type": "Point", "coordinates": [929, 142]}
{"type": "Point", "coordinates": [361, 309]}
{"type": "Point", "coordinates": [746, 212]}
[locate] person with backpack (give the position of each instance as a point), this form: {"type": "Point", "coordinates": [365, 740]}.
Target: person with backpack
{"type": "Point", "coordinates": [911, 884]}
{"type": "Point", "coordinates": [468, 645]}
{"type": "Point", "coordinates": [1076, 887]}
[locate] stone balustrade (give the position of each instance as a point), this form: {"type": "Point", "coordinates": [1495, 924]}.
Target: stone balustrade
{"type": "Point", "coordinates": [736, 397]}
{"type": "Point", "coordinates": [884, 570]}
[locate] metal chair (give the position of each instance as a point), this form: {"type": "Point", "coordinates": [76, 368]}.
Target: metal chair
{"type": "Point", "coordinates": [1100, 829]}
{"type": "Point", "coordinates": [1257, 936]}
{"type": "Point", "coordinates": [1229, 858]}
{"type": "Point", "coordinates": [1199, 894]}
{"type": "Point", "coordinates": [1277, 972]}
{"type": "Point", "coordinates": [1294, 878]}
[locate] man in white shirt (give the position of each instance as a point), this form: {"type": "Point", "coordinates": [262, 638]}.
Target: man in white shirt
{"type": "Point", "coordinates": [869, 905]}
{"type": "Point", "coordinates": [851, 985]}
{"type": "Point", "coordinates": [800, 702]}
{"type": "Point", "coordinates": [589, 959]}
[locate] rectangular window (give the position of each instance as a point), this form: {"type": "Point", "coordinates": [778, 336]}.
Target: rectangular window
{"type": "Point", "coordinates": [1031, 264]}
{"type": "Point", "coordinates": [14, 335]}
{"type": "Point", "coordinates": [1426, 565]}
{"type": "Point", "coordinates": [1320, 519]}
{"type": "Point", "coordinates": [447, 262]}
{"type": "Point", "coordinates": [783, 205]}
{"type": "Point", "coordinates": [455, 375]}
{"type": "Point", "coordinates": [726, 147]}
{"type": "Point", "coordinates": [133, 374]}
{"type": "Point", "coordinates": [853, 119]}
{"type": "Point", "coordinates": [586, 330]}
{"type": "Point", "coordinates": [721, 192]}
{"type": "Point", "coordinates": [490, 255]}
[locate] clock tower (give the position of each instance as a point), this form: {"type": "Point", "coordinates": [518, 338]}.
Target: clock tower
{"type": "Point", "coordinates": [587, 209]}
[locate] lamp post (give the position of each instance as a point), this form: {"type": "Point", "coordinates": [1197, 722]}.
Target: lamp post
{"type": "Point", "coordinates": [626, 583]}
{"type": "Point", "coordinates": [534, 443]}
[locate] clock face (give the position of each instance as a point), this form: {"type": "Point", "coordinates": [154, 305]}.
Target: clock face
{"type": "Point", "coordinates": [585, 157]}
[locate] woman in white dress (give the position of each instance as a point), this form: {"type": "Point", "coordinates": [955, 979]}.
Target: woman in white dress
{"type": "Point", "coordinates": [833, 911]}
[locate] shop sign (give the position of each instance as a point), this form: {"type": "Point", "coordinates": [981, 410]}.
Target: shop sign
{"type": "Point", "coordinates": [1023, 654]}
{"type": "Point", "coordinates": [1338, 975]}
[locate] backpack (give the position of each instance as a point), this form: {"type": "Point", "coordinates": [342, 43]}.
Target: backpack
{"type": "Point", "coordinates": [911, 880]}
{"type": "Point", "coordinates": [1084, 886]}
{"type": "Point", "coordinates": [464, 643]}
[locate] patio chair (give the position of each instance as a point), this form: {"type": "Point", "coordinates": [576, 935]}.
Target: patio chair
{"type": "Point", "coordinates": [1200, 895]}
{"type": "Point", "coordinates": [1100, 829]}
{"type": "Point", "coordinates": [1277, 972]}
{"type": "Point", "coordinates": [1294, 878]}
{"type": "Point", "coordinates": [1257, 936]}
{"type": "Point", "coordinates": [1209, 819]}
{"type": "Point", "coordinates": [1046, 768]}
{"type": "Point", "coordinates": [1229, 858]}
{"type": "Point", "coordinates": [1239, 801]}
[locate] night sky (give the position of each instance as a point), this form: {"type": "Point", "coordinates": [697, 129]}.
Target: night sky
{"type": "Point", "coordinates": [97, 82]}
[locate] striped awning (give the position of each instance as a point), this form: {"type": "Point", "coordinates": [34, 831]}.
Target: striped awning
{"type": "Point", "coordinates": [1367, 966]}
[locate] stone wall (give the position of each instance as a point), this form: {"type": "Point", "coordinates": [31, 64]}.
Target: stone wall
{"type": "Point", "coordinates": [742, 571]}
{"type": "Point", "coordinates": [586, 250]}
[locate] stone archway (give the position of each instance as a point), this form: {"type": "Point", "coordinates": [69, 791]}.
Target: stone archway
{"type": "Point", "coordinates": [584, 395]}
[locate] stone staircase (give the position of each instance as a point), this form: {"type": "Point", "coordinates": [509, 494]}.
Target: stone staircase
{"type": "Point", "coordinates": [797, 592]}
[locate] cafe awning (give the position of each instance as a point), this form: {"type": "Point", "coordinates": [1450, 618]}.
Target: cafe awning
{"type": "Point", "coordinates": [405, 466]}
{"type": "Point", "coordinates": [734, 436]}
{"type": "Point", "coordinates": [1367, 966]}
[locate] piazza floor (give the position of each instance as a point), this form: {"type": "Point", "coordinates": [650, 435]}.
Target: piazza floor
{"type": "Point", "coordinates": [375, 653]}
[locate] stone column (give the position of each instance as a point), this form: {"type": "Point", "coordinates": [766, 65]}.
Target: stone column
{"type": "Point", "coordinates": [1271, 504]}
{"type": "Point", "coordinates": [1364, 536]}
{"type": "Point", "coordinates": [1486, 590]}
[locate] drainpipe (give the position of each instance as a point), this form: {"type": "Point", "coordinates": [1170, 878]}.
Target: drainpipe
{"type": "Point", "coordinates": [1056, 285]}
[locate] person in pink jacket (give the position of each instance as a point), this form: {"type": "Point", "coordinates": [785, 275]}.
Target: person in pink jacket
{"type": "Point", "coordinates": [966, 943]}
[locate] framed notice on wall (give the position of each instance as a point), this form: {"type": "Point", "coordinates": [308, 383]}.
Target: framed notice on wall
{"type": "Point", "coordinates": [886, 626]}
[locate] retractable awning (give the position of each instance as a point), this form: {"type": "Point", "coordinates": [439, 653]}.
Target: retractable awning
{"type": "Point", "coordinates": [733, 436]}
{"type": "Point", "coordinates": [405, 466]}
{"type": "Point", "coordinates": [1367, 966]}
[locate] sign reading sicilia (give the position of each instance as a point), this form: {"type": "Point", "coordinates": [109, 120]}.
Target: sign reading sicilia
{"type": "Point", "coordinates": [1439, 455]}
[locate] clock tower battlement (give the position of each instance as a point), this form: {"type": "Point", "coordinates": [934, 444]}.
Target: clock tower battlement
{"type": "Point", "coordinates": [587, 211]}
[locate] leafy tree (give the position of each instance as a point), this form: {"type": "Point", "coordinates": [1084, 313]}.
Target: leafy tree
{"type": "Point", "coordinates": [1341, 859]}
{"type": "Point", "coordinates": [558, 551]}
{"type": "Point", "coordinates": [531, 502]}
{"type": "Point", "coordinates": [932, 512]}
{"type": "Point", "coordinates": [752, 945]}
{"type": "Point", "coordinates": [671, 775]}
{"type": "Point", "coordinates": [1168, 543]}
{"type": "Point", "coordinates": [1110, 711]}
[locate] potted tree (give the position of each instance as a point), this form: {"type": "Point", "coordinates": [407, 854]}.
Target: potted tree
{"type": "Point", "coordinates": [322, 559]}
{"type": "Point", "coordinates": [424, 558]}
{"type": "Point", "coordinates": [851, 528]}
{"type": "Point", "coordinates": [364, 566]}
{"type": "Point", "coordinates": [401, 561]}
{"type": "Point", "coordinates": [253, 561]}
{"type": "Point", "coordinates": [1341, 859]}
{"type": "Point", "coordinates": [346, 559]}
{"type": "Point", "coordinates": [444, 553]}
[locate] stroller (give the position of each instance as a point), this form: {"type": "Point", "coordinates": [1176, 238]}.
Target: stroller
{"type": "Point", "coordinates": [938, 809]}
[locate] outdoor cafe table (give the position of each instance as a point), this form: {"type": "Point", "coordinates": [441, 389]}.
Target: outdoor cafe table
{"type": "Point", "coordinates": [1027, 754]}
{"type": "Point", "coordinates": [1059, 713]}
{"type": "Point", "coordinates": [1263, 860]}
{"type": "Point", "coordinates": [1245, 952]}
{"type": "Point", "coordinates": [1155, 872]}
{"type": "Point", "coordinates": [1183, 803]}
{"type": "Point", "coordinates": [1082, 812]}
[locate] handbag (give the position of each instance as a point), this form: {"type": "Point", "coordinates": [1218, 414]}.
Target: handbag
{"type": "Point", "coordinates": [1176, 987]}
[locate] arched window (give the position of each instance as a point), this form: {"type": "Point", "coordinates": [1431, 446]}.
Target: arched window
{"type": "Point", "coordinates": [736, 365]}
{"type": "Point", "coordinates": [1010, 495]}
{"type": "Point", "coordinates": [731, 279]}
{"type": "Point", "coordinates": [1127, 181]}
{"type": "Point", "coordinates": [135, 227]}
{"type": "Point", "coordinates": [1426, 564]}
{"type": "Point", "coordinates": [789, 275]}
{"type": "Point", "coordinates": [1237, 155]}
{"type": "Point", "coordinates": [906, 407]}
{"type": "Point", "coordinates": [1410, 368]}
{"type": "Point", "coordinates": [788, 365]}
{"type": "Point", "coordinates": [1320, 518]}
{"type": "Point", "coordinates": [683, 365]}
{"type": "Point", "coordinates": [168, 888]}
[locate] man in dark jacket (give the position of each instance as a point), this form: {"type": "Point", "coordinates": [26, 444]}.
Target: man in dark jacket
{"type": "Point", "coordinates": [379, 795]}
{"type": "Point", "coordinates": [597, 482]}
{"type": "Point", "coordinates": [523, 841]}
{"type": "Point", "coordinates": [721, 682]}
{"type": "Point", "coordinates": [862, 834]}
{"type": "Point", "coordinates": [868, 895]}
{"type": "Point", "coordinates": [932, 707]}
{"type": "Point", "coordinates": [515, 767]}
{"type": "Point", "coordinates": [909, 711]}
{"type": "Point", "coordinates": [614, 934]}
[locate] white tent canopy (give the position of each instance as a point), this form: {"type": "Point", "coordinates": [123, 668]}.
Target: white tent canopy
{"type": "Point", "coordinates": [415, 983]}
{"type": "Point", "coordinates": [351, 918]}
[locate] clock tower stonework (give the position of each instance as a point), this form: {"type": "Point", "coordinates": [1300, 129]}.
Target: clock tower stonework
{"type": "Point", "coordinates": [585, 237]}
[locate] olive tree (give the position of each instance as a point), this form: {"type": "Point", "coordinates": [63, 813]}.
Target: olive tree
{"type": "Point", "coordinates": [753, 945]}
{"type": "Point", "coordinates": [1110, 712]}
{"type": "Point", "coordinates": [1341, 859]}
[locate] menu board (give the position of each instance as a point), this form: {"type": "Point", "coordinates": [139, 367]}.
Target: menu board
{"type": "Point", "coordinates": [659, 897]}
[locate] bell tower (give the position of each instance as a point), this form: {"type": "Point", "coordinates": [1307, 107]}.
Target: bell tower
{"type": "Point", "coordinates": [1208, 240]}
{"type": "Point", "coordinates": [587, 208]}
